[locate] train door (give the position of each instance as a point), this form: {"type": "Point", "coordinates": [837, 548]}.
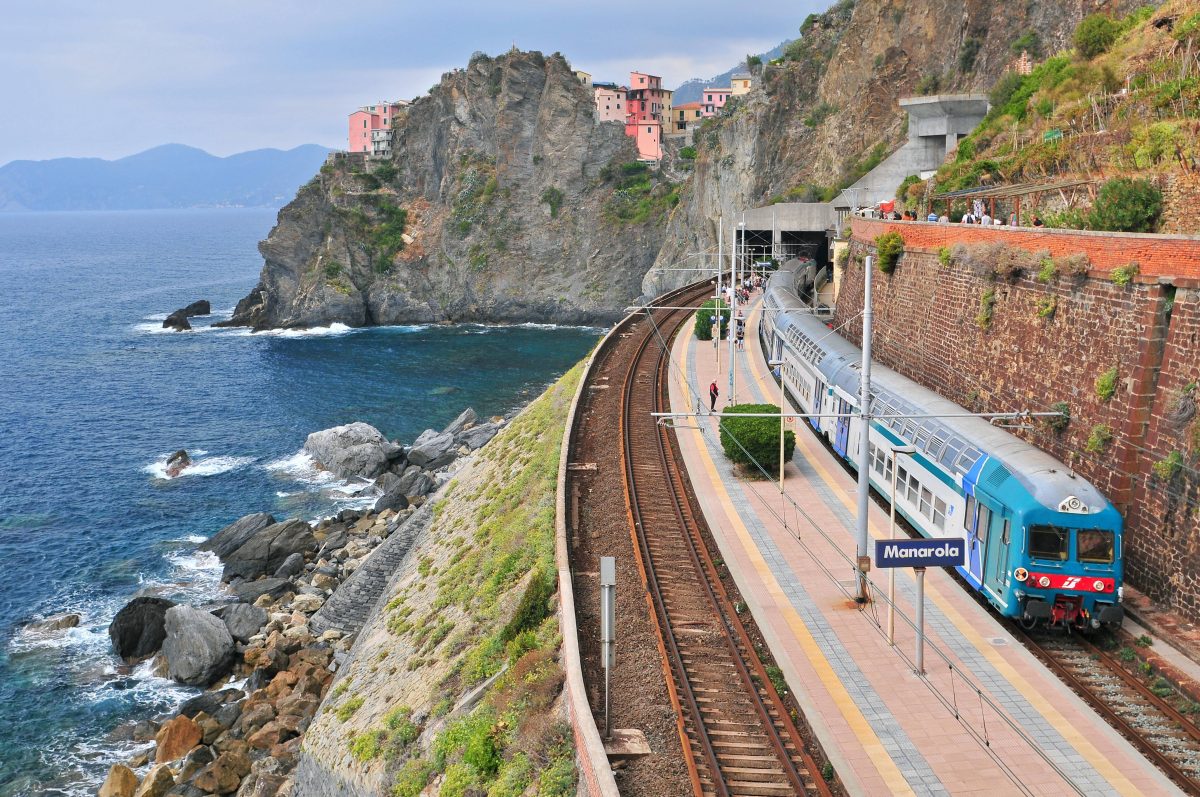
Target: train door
{"type": "Point", "coordinates": [817, 403]}
{"type": "Point", "coordinates": [995, 571]}
{"type": "Point", "coordinates": [842, 436]}
{"type": "Point", "coordinates": [976, 520]}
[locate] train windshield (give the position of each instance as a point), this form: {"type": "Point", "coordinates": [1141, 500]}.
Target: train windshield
{"type": "Point", "coordinates": [1096, 546]}
{"type": "Point", "coordinates": [1049, 542]}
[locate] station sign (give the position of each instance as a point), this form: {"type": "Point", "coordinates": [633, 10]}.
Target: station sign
{"type": "Point", "coordinates": [943, 552]}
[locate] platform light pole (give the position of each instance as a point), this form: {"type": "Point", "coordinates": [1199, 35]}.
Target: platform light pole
{"type": "Point", "coordinates": [891, 621]}
{"type": "Point", "coordinates": [782, 396]}
{"type": "Point", "coordinates": [733, 304]}
{"type": "Point", "coordinates": [720, 299]}
{"type": "Point", "coordinates": [863, 563]}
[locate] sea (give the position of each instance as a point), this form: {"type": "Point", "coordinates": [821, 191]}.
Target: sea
{"type": "Point", "coordinates": [94, 395]}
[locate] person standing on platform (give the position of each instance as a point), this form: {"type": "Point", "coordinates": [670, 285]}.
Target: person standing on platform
{"type": "Point", "coordinates": [713, 392]}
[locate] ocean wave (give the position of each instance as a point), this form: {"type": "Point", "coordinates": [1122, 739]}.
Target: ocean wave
{"type": "Point", "coordinates": [156, 328]}
{"type": "Point", "coordinates": [201, 465]}
{"type": "Point", "coordinates": [333, 330]}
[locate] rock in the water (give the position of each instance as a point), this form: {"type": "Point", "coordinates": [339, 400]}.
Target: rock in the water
{"type": "Point", "coordinates": [138, 629]}
{"type": "Point", "coordinates": [291, 566]}
{"type": "Point", "coordinates": [431, 446]}
{"type": "Point", "coordinates": [177, 462]}
{"type": "Point", "coordinates": [266, 550]}
{"type": "Point", "coordinates": [388, 480]}
{"type": "Point", "coordinates": [243, 621]}
{"type": "Point", "coordinates": [198, 647]}
{"type": "Point", "coordinates": [158, 782]}
{"type": "Point", "coordinates": [460, 424]}
{"type": "Point", "coordinates": [234, 536]}
{"type": "Point", "coordinates": [57, 622]}
{"type": "Point", "coordinates": [201, 307]}
{"type": "Point", "coordinates": [392, 499]}
{"type": "Point", "coordinates": [250, 591]}
{"type": "Point", "coordinates": [479, 436]}
{"type": "Point", "coordinates": [121, 782]}
{"type": "Point", "coordinates": [356, 449]}
{"type": "Point", "coordinates": [177, 321]}
{"type": "Point", "coordinates": [415, 481]}
{"type": "Point", "coordinates": [176, 738]}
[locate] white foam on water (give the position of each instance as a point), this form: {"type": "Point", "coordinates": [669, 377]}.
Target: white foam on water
{"type": "Point", "coordinates": [201, 465]}
{"type": "Point", "coordinates": [334, 329]}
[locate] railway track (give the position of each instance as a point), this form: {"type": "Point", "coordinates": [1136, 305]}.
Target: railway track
{"type": "Point", "coordinates": [1156, 728]}
{"type": "Point", "coordinates": [736, 734]}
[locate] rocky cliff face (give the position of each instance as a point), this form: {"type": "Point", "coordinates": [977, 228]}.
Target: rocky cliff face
{"type": "Point", "coordinates": [501, 203]}
{"type": "Point", "coordinates": [813, 123]}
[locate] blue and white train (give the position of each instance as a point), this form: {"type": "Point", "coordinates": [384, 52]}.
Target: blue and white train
{"type": "Point", "coordinates": [1043, 544]}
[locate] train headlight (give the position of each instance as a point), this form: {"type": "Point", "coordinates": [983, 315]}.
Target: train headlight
{"type": "Point", "coordinates": [1044, 582]}
{"type": "Point", "coordinates": [1020, 574]}
{"type": "Point", "coordinates": [1098, 585]}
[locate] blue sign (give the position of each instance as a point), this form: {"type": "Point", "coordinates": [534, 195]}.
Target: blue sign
{"type": "Point", "coordinates": [945, 552]}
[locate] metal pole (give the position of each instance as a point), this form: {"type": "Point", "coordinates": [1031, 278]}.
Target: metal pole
{"type": "Point", "coordinates": [891, 624]}
{"type": "Point", "coordinates": [720, 297]}
{"type": "Point", "coordinates": [864, 410]}
{"type": "Point", "coordinates": [608, 611]}
{"type": "Point", "coordinates": [732, 312]}
{"type": "Point", "coordinates": [920, 571]}
{"type": "Point", "coordinates": [782, 399]}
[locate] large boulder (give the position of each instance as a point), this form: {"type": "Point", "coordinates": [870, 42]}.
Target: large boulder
{"type": "Point", "coordinates": [356, 449]}
{"type": "Point", "coordinates": [139, 628]}
{"type": "Point", "coordinates": [121, 782]}
{"type": "Point", "coordinates": [242, 619]}
{"type": "Point", "coordinates": [250, 591]}
{"type": "Point", "coordinates": [415, 481]}
{"type": "Point", "coordinates": [176, 738]}
{"type": "Point", "coordinates": [57, 622]}
{"type": "Point", "coordinates": [392, 499]}
{"type": "Point", "coordinates": [479, 436]}
{"type": "Point", "coordinates": [198, 647]}
{"type": "Point", "coordinates": [466, 419]}
{"type": "Point", "coordinates": [432, 447]}
{"type": "Point", "coordinates": [267, 549]}
{"type": "Point", "coordinates": [235, 535]}
{"type": "Point", "coordinates": [177, 462]}
{"type": "Point", "coordinates": [178, 320]}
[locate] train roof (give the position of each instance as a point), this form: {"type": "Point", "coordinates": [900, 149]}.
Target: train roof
{"type": "Point", "coordinates": [957, 443]}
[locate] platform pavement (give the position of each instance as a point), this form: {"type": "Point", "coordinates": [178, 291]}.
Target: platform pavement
{"type": "Point", "coordinates": [885, 730]}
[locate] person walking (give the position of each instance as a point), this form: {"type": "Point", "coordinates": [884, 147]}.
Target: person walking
{"type": "Point", "coordinates": [713, 392]}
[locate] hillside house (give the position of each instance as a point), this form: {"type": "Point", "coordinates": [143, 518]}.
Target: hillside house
{"type": "Point", "coordinates": [370, 128]}
{"type": "Point", "coordinates": [713, 100]}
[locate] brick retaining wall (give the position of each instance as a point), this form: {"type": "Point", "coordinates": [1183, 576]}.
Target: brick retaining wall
{"type": "Point", "coordinates": [926, 328]}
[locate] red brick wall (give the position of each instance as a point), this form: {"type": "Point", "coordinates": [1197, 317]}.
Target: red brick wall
{"type": "Point", "coordinates": [926, 328]}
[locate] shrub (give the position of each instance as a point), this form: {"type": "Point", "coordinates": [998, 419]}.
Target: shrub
{"type": "Point", "coordinates": [1099, 439]}
{"type": "Point", "coordinates": [346, 710]}
{"type": "Point", "coordinates": [412, 778]}
{"type": "Point", "coordinates": [987, 307]}
{"type": "Point", "coordinates": [1029, 42]}
{"type": "Point", "coordinates": [1126, 204]}
{"type": "Point", "coordinates": [385, 172]}
{"type": "Point", "coordinates": [688, 153]}
{"type": "Point", "coordinates": [1106, 384]}
{"type": "Point", "coordinates": [1123, 275]}
{"type": "Point", "coordinates": [945, 256]}
{"type": "Point", "coordinates": [704, 318]}
{"type": "Point", "coordinates": [1004, 88]}
{"type": "Point", "coordinates": [332, 269]}
{"type": "Point", "coordinates": [1046, 307]}
{"type": "Point", "coordinates": [1095, 34]}
{"type": "Point", "coordinates": [554, 198]}
{"type": "Point", "coordinates": [888, 248]}
{"type": "Point", "coordinates": [1048, 271]}
{"type": "Point", "coordinates": [1168, 468]}
{"type": "Point", "coordinates": [966, 56]}
{"type": "Point", "coordinates": [1063, 419]}
{"type": "Point", "coordinates": [905, 184]}
{"type": "Point", "coordinates": [365, 746]}
{"type": "Point", "coordinates": [819, 114]}
{"type": "Point", "coordinates": [750, 441]}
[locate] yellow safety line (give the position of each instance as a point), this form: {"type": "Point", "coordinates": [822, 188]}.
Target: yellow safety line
{"type": "Point", "coordinates": [877, 754]}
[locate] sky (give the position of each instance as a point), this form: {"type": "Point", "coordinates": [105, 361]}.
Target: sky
{"type": "Point", "coordinates": [88, 79]}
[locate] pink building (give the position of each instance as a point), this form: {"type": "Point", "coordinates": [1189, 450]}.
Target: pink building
{"type": "Point", "coordinates": [648, 133]}
{"type": "Point", "coordinates": [713, 100]}
{"type": "Point", "coordinates": [370, 128]}
{"type": "Point", "coordinates": [610, 102]}
{"type": "Point", "coordinates": [645, 97]}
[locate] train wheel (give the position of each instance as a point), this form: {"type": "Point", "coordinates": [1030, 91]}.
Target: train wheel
{"type": "Point", "coordinates": [1029, 623]}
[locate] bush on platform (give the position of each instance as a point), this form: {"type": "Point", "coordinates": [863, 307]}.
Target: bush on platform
{"type": "Point", "coordinates": [751, 441]}
{"type": "Point", "coordinates": [705, 322]}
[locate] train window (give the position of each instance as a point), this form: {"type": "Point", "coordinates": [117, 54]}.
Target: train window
{"type": "Point", "coordinates": [887, 469]}
{"type": "Point", "coordinates": [926, 502]}
{"type": "Point", "coordinates": [1095, 545]}
{"type": "Point", "coordinates": [968, 458]}
{"type": "Point", "coordinates": [984, 522]}
{"type": "Point", "coordinates": [1048, 542]}
{"type": "Point", "coordinates": [969, 515]}
{"type": "Point", "coordinates": [922, 441]}
{"type": "Point", "coordinates": [913, 488]}
{"type": "Point", "coordinates": [939, 513]}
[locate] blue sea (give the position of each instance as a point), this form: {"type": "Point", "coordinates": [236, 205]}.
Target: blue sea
{"type": "Point", "coordinates": [95, 395]}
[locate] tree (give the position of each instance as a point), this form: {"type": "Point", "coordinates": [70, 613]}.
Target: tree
{"type": "Point", "coordinates": [1095, 34]}
{"type": "Point", "coordinates": [755, 441]}
{"type": "Point", "coordinates": [1125, 204]}
{"type": "Point", "coordinates": [704, 318]}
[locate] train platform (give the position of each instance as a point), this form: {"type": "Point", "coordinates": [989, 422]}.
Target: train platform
{"type": "Point", "coordinates": [986, 718]}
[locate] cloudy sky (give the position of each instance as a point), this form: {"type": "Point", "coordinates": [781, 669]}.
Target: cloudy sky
{"type": "Point", "coordinates": [108, 79]}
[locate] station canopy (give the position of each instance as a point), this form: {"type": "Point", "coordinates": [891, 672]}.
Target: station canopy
{"type": "Point", "coordinates": [1015, 190]}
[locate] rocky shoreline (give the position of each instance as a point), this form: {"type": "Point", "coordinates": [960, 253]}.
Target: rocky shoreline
{"type": "Point", "coordinates": [261, 652]}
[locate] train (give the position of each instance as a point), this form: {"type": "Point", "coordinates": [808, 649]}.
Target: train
{"type": "Point", "coordinates": [1043, 544]}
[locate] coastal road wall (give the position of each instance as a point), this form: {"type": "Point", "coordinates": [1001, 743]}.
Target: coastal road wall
{"type": "Point", "coordinates": [1011, 341]}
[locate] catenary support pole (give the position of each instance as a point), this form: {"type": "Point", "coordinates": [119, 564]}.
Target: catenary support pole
{"type": "Point", "coordinates": [720, 296]}
{"type": "Point", "coordinates": [733, 304]}
{"type": "Point", "coordinates": [920, 657]}
{"type": "Point", "coordinates": [864, 410]}
{"type": "Point", "coordinates": [608, 635]}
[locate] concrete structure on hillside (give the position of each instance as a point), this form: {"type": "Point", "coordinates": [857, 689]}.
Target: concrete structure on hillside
{"type": "Point", "coordinates": [610, 102]}
{"type": "Point", "coordinates": [713, 100]}
{"type": "Point", "coordinates": [740, 84]}
{"type": "Point", "coordinates": [370, 128]}
{"type": "Point", "coordinates": [935, 125]}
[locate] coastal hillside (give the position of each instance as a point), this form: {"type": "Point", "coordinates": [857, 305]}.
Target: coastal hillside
{"type": "Point", "coordinates": [503, 200]}
{"type": "Point", "coordinates": [170, 176]}
{"type": "Point", "coordinates": [455, 679]}
{"type": "Point", "coordinates": [827, 112]}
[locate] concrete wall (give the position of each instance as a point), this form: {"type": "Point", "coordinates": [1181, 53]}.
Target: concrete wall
{"type": "Point", "coordinates": [926, 328]}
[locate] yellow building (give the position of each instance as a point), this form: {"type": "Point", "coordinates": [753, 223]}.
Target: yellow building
{"type": "Point", "coordinates": [740, 83]}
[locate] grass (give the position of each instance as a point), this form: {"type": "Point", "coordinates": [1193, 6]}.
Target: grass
{"type": "Point", "coordinates": [346, 710]}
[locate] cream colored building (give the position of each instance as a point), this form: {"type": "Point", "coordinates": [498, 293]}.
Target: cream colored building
{"type": "Point", "coordinates": [740, 84]}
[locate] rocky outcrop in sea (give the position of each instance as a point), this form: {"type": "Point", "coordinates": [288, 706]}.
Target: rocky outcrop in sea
{"type": "Point", "coordinates": [298, 594]}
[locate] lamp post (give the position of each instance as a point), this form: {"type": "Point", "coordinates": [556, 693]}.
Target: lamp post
{"type": "Point", "coordinates": [891, 621]}
{"type": "Point", "coordinates": [733, 305]}
{"type": "Point", "coordinates": [782, 396]}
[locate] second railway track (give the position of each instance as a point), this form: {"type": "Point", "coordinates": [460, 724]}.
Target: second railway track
{"type": "Point", "coordinates": [737, 736]}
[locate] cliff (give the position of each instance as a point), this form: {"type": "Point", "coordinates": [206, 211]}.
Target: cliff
{"type": "Point", "coordinates": [828, 111]}
{"type": "Point", "coordinates": [503, 201]}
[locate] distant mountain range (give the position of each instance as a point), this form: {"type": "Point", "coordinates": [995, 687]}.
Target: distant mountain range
{"type": "Point", "coordinates": [170, 176]}
{"type": "Point", "coordinates": [690, 90]}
